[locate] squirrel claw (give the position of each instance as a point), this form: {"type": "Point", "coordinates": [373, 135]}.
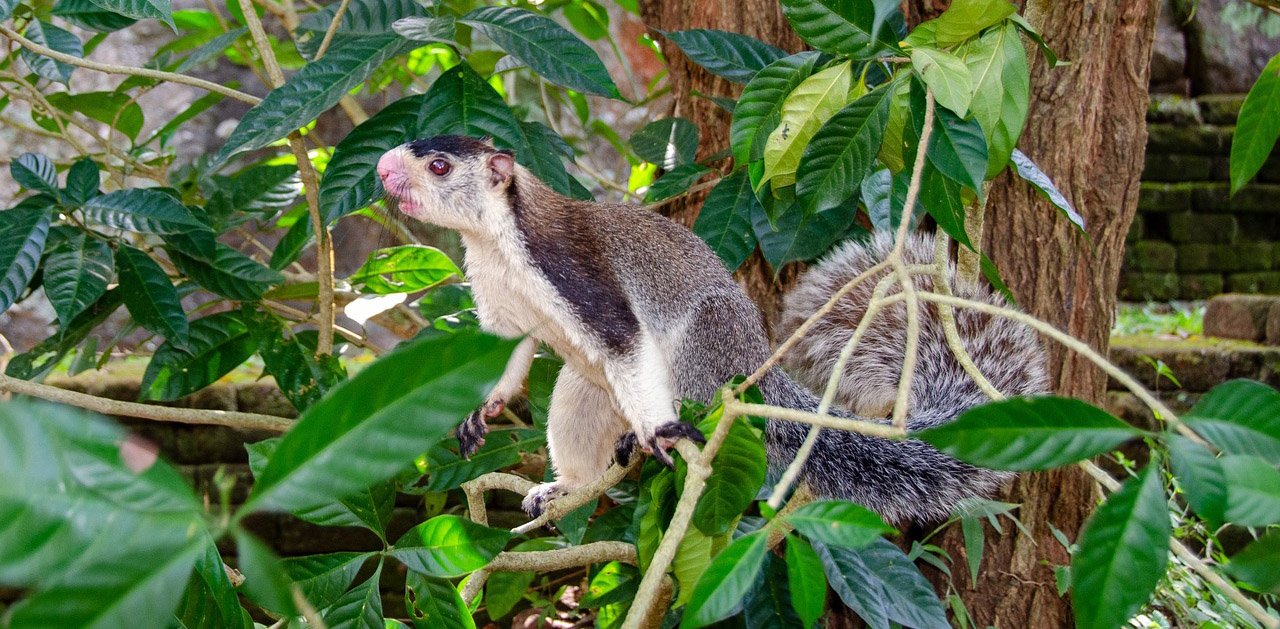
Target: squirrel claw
{"type": "Point", "coordinates": [624, 448]}
{"type": "Point", "coordinates": [536, 501]}
{"type": "Point", "coordinates": [666, 436]}
{"type": "Point", "coordinates": [471, 433]}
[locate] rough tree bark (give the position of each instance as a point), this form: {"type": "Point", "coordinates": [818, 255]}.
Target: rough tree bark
{"type": "Point", "coordinates": [761, 19]}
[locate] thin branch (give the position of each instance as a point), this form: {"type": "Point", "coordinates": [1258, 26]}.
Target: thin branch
{"type": "Point", "coordinates": [171, 77]}
{"type": "Point", "coordinates": [332, 30]}
{"type": "Point", "coordinates": [947, 315]}
{"type": "Point", "coordinates": [561, 507]}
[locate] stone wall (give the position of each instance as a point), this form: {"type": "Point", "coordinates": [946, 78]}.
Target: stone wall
{"type": "Point", "coordinates": [1191, 238]}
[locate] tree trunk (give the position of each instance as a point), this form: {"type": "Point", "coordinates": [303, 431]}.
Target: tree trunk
{"type": "Point", "coordinates": [1087, 131]}
{"type": "Point", "coordinates": [761, 19]}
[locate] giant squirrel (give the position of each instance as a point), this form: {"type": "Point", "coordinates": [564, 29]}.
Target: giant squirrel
{"type": "Point", "coordinates": [644, 314]}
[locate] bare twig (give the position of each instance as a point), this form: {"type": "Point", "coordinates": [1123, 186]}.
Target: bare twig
{"type": "Point", "coordinates": [333, 29]}
{"type": "Point", "coordinates": [549, 560]}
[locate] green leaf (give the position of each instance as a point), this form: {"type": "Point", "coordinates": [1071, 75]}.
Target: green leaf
{"type": "Point", "coordinates": [228, 273]}
{"type": "Point", "coordinates": [1253, 490]}
{"type": "Point", "coordinates": [737, 474]}
{"type": "Point", "coordinates": [361, 20]}
{"type": "Point", "coordinates": [728, 55]}
{"type": "Point", "coordinates": [349, 183]}
{"type": "Point", "coordinates": [114, 109]}
{"type": "Point", "coordinates": [1001, 79]}
{"type": "Point", "coordinates": [546, 47]}
{"type": "Point", "coordinates": [504, 590]}
{"type": "Point", "coordinates": [667, 142]}
{"type": "Point", "coordinates": [806, 108]}
{"type": "Point", "coordinates": [843, 27]}
{"type": "Point", "coordinates": [1256, 564]}
{"type": "Point", "coordinates": [150, 296]}
{"type": "Point", "coordinates": [210, 601]}
{"type": "Point", "coordinates": [1240, 417]}
{"type": "Point", "coordinates": [946, 75]}
{"type": "Point", "coordinates": [449, 546]}
{"type": "Point", "coordinates": [693, 556]}
{"type": "Point", "coordinates": [441, 29]}
{"type": "Point", "coordinates": [51, 36]}
{"type": "Point", "coordinates": [323, 578]}
{"type": "Point", "coordinates": [22, 236]}
{"type": "Point", "coordinates": [1203, 481]}
{"type": "Point", "coordinates": [150, 212]}
{"type": "Point", "coordinates": [1257, 126]}
{"type": "Point", "coordinates": [310, 92]}
{"type": "Point", "coordinates": [800, 237]}
{"type": "Point", "coordinates": [759, 109]}
{"type": "Point", "coordinates": [726, 580]}
{"type": "Point", "coordinates": [1032, 174]}
{"type": "Point", "coordinates": [141, 9]}
{"type": "Point", "coordinates": [47, 353]}
{"type": "Point", "coordinates": [502, 448]}
{"type": "Point", "coordinates": [675, 182]}
{"type": "Point", "coordinates": [404, 269]}
{"type": "Point", "coordinates": [881, 584]}
{"type": "Point", "coordinates": [1123, 552]}
{"type": "Point", "coordinates": [210, 50]}
{"type": "Point", "coordinates": [76, 274]}
{"type": "Point", "coordinates": [724, 222]}
{"type": "Point", "coordinates": [1030, 433]}
{"type": "Point", "coordinates": [82, 181]}
{"type": "Point", "coordinates": [957, 149]}
{"type": "Point", "coordinates": [839, 523]}
{"type": "Point", "coordinates": [843, 151]}
{"type": "Point", "coordinates": [265, 580]}
{"type": "Point", "coordinates": [372, 426]}
{"type": "Point", "coordinates": [291, 359]}
{"type": "Point", "coordinates": [360, 608]}
{"type": "Point", "coordinates": [966, 18]}
{"type": "Point", "coordinates": [35, 172]}
{"type": "Point", "coordinates": [807, 582]}
{"type": "Point", "coordinates": [768, 602]}
{"type": "Point", "coordinates": [218, 343]}
{"type": "Point", "coordinates": [615, 582]}
{"type": "Point", "coordinates": [434, 602]}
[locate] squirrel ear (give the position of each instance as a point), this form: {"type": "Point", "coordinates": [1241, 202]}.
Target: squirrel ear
{"type": "Point", "coordinates": [487, 141]}
{"type": "Point", "coordinates": [501, 167]}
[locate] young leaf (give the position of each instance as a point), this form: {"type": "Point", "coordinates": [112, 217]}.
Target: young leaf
{"type": "Point", "coordinates": [449, 546]}
{"type": "Point", "coordinates": [1203, 481]}
{"type": "Point", "coordinates": [966, 18]}
{"type": "Point", "coordinates": [1032, 174]}
{"type": "Point", "coordinates": [1030, 433]}
{"type": "Point", "coordinates": [726, 580]}
{"type": "Point", "coordinates": [946, 75]}
{"type": "Point", "coordinates": [675, 182]}
{"type": "Point", "coordinates": [668, 142]}
{"type": "Point", "coordinates": [1001, 80]}
{"type": "Point", "coordinates": [87, 15]}
{"type": "Point", "coordinates": [51, 36]}
{"type": "Point", "coordinates": [22, 236]}
{"type": "Point", "coordinates": [881, 584]}
{"type": "Point", "coordinates": [1257, 127]}
{"type": "Point", "coordinates": [82, 181]}
{"type": "Point", "coordinates": [372, 426]}
{"type": "Point", "coordinates": [218, 343]}
{"type": "Point", "coordinates": [309, 93]}
{"type": "Point", "coordinates": [839, 523]}
{"type": "Point", "coordinates": [759, 109]}
{"type": "Point", "coordinates": [1240, 417]}
{"type": "Point", "coordinates": [725, 220]}
{"type": "Point", "coordinates": [1256, 564]}
{"type": "Point", "coordinates": [35, 172]}
{"type": "Point", "coordinates": [807, 582]}
{"type": "Point", "coordinates": [728, 55]}
{"type": "Point", "coordinates": [228, 273]}
{"type": "Point", "coordinates": [843, 27]}
{"type": "Point", "coordinates": [1253, 490]}
{"type": "Point", "coordinates": [546, 47]}
{"type": "Point", "coordinates": [806, 108]}
{"type": "Point", "coordinates": [150, 296]}
{"type": "Point", "coordinates": [1123, 552]}
{"type": "Point", "coordinates": [323, 578]}
{"type": "Point", "coordinates": [434, 602]}
{"type": "Point", "coordinates": [76, 274]}
{"type": "Point", "coordinates": [404, 269]}
{"type": "Point", "coordinates": [115, 109]}
{"type": "Point", "coordinates": [737, 474]}
{"type": "Point", "coordinates": [843, 151]}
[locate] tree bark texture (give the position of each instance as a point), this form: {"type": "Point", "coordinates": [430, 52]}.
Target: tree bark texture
{"type": "Point", "coordinates": [761, 19]}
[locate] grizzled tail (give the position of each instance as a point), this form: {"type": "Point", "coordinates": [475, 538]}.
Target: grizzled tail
{"type": "Point", "coordinates": [907, 479]}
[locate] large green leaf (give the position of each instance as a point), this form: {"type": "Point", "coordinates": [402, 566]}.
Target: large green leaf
{"type": "Point", "coordinates": [228, 273]}
{"type": "Point", "coordinates": [675, 182]}
{"type": "Point", "coordinates": [808, 583]}
{"type": "Point", "coordinates": [957, 147]}
{"type": "Point", "coordinates": [1240, 417]}
{"type": "Point", "coordinates": [966, 18]}
{"type": "Point", "coordinates": [544, 46]}
{"type": "Point", "coordinates": [1257, 127]}
{"type": "Point", "coordinates": [309, 93]}
{"type": "Point", "coordinates": [1253, 490]}
{"type": "Point", "coordinates": [726, 580]}
{"type": "Point", "coordinates": [946, 75]}
{"type": "Point", "coordinates": [349, 183]}
{"type": "Point", "coordinates": [806, 108]}
{"type": "Point", "coordinates": [361, 19]}
{"type": "Point", "coordinates": [881, 584]}
{"type": "Point", "coordinates": [844, 27]}
{"type": "Point", "coordinates": [768, 602]}
{"type": "Point", "coordinates": [1123, 551]}
{"type": "Point", "coordinates": [360, 608]}
{"type": "Point", "coordinates": [732, 56]}
{"type": "Point", "coordinates": [668, 142]}
{"type": "Point", "coordinates": [290, 358]}
{"type": "Point", "coordinates": [1203, 481]}
{"type": "Point", "coordinates": [140, 9]}
{"type": "Point", "coordinates": [218, 343]}
{"type": "Point", "coordinates": [997, 62]}
{"type": "Point", "coordinates": [22, 236]}
{"type": "Point", "coordinates": [83, 179]}
{"type": "Point", "coordinates": [759, 109]}
{"type": "Point", "coordinates": [434, 602]}
{"type": "Point", "coordinates": [210, 601]}
{"type": "Point", "coordinates": [47, 353]}
{"type": "Point", "coordinates": [150, 296]}
{"type": "Point", "coordinates": [693, 556]}
{"type": "Point", "coordinates": [1032, 174]}
{"type": "Point", "coordinates": [323, 578]}
{"type": "Point", "coordinates": [404, 269]}
{"type": "Point", "coordinates": [725, 219]}
{"type": "Point", "coordinates": [86, 14]}
{"type": "Point", "coordinates": [737, 474]}
{"type": "Point", "coordinates": [800, 237]}
{"type": "Point", "coordinates": [843, 151]}
{"type": "Point", "coordinates": [151, 212]}
{"type": "Point", "coordinates": [372, 426]}
{"type": "Point", "coordinates": [839, 523]}
{"type": "Point", "coordinates": [502, 448]}
{"type": "Point", "coordinates": [615, 582]}
{"type": "Point", "coordinates": [51, 36]}
{"type": "Point", "coordinates": [1036, 433]}
{"type": "Point", "coordinates": [76, 273]}
{"type": "Point", "coordinates": [449, 546]}
{"type": "Point", "coordinates": [1256, 564]}
{"type": "Point", "coordinates": [115, 109]}
{"type": "Point", "coordinates": [265, 581]}
{"type": "Point", "coordinates": [35, 172]}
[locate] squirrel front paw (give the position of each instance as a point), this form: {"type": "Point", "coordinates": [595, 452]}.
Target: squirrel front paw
{"type": "Point", "coordinates": [624, 448]}
{"type": "Point", "coordinates": [665, 437]}
{"type": "Point", "coordinates": [536, 501]}
{"type": "Point", "coordinates": [472, 431]}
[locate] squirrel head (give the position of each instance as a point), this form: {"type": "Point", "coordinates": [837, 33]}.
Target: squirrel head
{"type": "Point", "coordinates": [452, 181]}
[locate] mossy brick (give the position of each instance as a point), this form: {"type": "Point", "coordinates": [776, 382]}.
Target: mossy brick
{"type": "Point", "coordinates": [1251, 198]}
{"type": "Point", "coordinates": [1222, 109]}
{"type": "Point", "coordinates": [1173, 168]}
{"type": "Point", "coordinates": [1136, 229]}
{"type": "Point", "coordinates": [1201, 285]}
{"type": "Point", "coordinates": [1257, 227]}
{"type": "Point", "coordinates": [1150, 255]}
{"type": "Point", "coordinates": [1270, 171]}
{"type": "Point", "coordinates": [1194, 139]}
{"type": "Point", "coordinates": [1141, 286]}
{"type": "Point", "coordinates": [1264, 282]}
{"type": "Point", "coordinates": [264, 398]}
{"type": "Point", "coordinates": [1210, 228]}
{"type": "Point", "coordinates": [1173, 109]}
{"type": "Point", "coordinates": [1202, 257]}
{"type": "Point", "coordinates": [1165, 197]}
{"type": "Point", "coordinates": [1221, 168]}
{"type": "Point", "coordinates": [1242, 317]}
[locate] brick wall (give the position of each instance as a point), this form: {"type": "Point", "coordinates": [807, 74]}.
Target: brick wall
{"type": "Point", "coordinates": [1191, 238]}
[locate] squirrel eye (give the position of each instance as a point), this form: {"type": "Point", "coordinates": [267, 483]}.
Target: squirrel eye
{"type": "Point", "coordinates": [439, 167]}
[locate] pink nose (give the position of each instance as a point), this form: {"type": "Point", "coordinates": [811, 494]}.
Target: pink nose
{"type": "Point", "coordinates": [389, 164]}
